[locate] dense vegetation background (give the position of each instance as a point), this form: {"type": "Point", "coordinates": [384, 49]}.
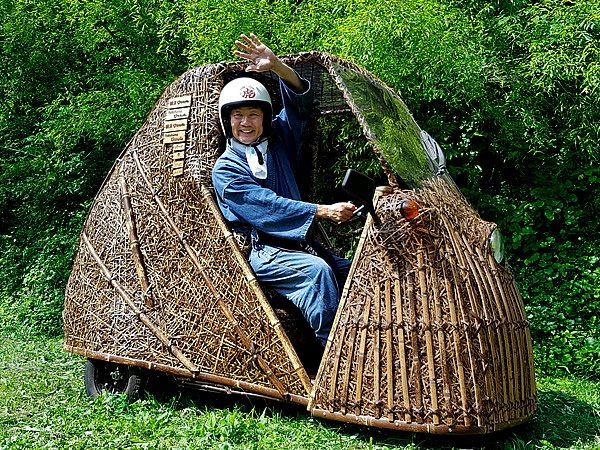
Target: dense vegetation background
{"type": "Point", "coordinates": [509, 88]}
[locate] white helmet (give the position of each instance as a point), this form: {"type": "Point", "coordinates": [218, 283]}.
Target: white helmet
{"type": "Point", "coordinates": [245, 92]}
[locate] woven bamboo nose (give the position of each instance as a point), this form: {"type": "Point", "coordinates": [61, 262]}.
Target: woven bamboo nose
{"type": "Point", "coordinates": [431, 334]}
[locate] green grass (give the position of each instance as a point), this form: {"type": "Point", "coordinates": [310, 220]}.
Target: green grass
{"type": "Point", "coordinates": [43, 405]}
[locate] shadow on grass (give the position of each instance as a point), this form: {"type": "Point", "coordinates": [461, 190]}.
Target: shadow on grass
{"type": "Point", "coordinates": [561, 421]}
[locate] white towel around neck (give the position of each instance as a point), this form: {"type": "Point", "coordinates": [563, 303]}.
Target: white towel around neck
{"type": "Point", "coordinates": [258, 170]}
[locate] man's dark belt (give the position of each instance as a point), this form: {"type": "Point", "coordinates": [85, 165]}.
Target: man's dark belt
{"type": "Point", "coordinates": [288, 244]}
{"type": "Point", "coordinates": [309, 246]}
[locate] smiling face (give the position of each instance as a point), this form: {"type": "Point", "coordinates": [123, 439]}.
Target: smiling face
{"type": "Point", "coordinates": [246, 124]}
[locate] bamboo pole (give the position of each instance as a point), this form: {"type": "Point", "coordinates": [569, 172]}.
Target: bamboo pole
{"type": "Point", "coordinates": [491, 371]}
{"type": "Point", "coordinates": [138, 257]}
{"type": "Point", "coordinates": [428, 337]}
{"type": "Point", "coordinates": [458, 350]}
{"type": "Point", "coordinates": [441, 338]}
{"type": "Point", "coordinates": [505, 342]}
{"type": "Point", "coordinates": [255, 285]}
{"type": "Point", "coordinates": [334, 372]}
{"type": "Point", "coordinates": [519, 355]}
{"type": "Point", "coordinates": [377, 350]}
{"type": "Point", "coordinates": [402, 351]}
{"type": "Point", "coordinates": [465, 315]}
{"type": "Point", "coordinates": [414, 342]}
{"type": "Point", "coordinates": [417, 427]}
{"type": "Point", "coordinates": [346, 376]}
{"type": "Point", "coordinates": [361, 356]}
{"type": "Point", "coordinates": [389, 349]}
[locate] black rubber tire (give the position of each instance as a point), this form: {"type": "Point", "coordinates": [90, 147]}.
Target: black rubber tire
{"type": "Point", "coordinates": [113, 378]}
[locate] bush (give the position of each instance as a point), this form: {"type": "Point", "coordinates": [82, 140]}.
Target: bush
{"type": "Point", "coordinates": [77, 79]}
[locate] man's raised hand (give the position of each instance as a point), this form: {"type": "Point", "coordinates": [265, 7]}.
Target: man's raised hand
{"type": "Point", "coordinates": [261, 56]}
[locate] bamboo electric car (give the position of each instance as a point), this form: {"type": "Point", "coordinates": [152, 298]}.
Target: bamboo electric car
{"type": "Point", "coordinates": [430, 336]}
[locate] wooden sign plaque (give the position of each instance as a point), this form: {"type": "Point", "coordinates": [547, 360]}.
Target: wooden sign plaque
{"type": "Point", "coordinates": [176, 125]}
{"type": "Point", "coordinates": [184, 101]}
{"type": "Point", "coordinates": [178, 114]}
{"type": "Point", "coordinates": [170, 138]}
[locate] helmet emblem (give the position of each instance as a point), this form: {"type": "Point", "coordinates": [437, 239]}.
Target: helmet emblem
{"type": "Point", "coordinates": [247, 92]}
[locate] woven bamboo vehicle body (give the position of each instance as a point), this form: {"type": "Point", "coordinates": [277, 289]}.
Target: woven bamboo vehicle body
{"type": "Point", "coordinates": [430, 336]}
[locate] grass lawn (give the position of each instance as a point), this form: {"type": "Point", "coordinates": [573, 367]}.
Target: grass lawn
{"type": "Point", "coordinates": [43, 405]}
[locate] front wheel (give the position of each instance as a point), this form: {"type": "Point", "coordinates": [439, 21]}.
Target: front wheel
{"type": "Point", "coordinates": [111, 377]}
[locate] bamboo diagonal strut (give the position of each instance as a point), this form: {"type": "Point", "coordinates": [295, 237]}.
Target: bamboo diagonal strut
{"type": "Point", "coordinates": [254, 284]}
{"type": "Point", "coordinates": [250, 346]}
{"type": "Point", "coordinates": [138, 257]}
{"type": "Point", "coordinates": [160, 335]}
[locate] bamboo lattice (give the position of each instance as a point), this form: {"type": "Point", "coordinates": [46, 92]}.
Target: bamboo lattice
{"type": "Point", "coordinates": [431, 334]}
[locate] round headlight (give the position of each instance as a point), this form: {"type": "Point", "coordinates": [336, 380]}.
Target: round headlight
{"type": "Point", "coordinates": [497, 244]}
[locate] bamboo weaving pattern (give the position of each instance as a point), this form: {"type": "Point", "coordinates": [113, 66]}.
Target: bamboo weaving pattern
{"type": "Point", "coordinates": [444, 344]}
{"type": "Point", "coordinates": [431, 333]}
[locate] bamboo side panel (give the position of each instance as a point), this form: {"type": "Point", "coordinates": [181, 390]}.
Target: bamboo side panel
{"type": "Point", "coordinates": [146, 300]}
{"type": "Point", "coordinates": [431, 334]}
{"type": "Point", "coordinates": [95, 317]}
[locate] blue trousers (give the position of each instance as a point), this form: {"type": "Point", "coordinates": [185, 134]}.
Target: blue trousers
{"type": "Point", "coordinates": [308, 281]}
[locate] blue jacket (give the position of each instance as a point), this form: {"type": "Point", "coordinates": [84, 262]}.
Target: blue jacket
{"type": "Point", "coordinates": [273, 205]}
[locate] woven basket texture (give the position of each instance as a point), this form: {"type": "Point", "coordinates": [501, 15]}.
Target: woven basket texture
{"type": "Point", "coordinates": [431, 332]}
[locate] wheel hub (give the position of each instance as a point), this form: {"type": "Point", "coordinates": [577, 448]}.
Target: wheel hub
{"type": "Point", "coordinates": [116, 375]}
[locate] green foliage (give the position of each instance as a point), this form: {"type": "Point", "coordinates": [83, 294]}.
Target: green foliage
{"type": "Point", "coordinates": [509, 88]}
{"type": "Point", "coordinates": [564, 307]}
{"type": "Point", "coordinates": [79, 79]}
{"type": "Point", "coordinates": [342, 147]}
{"type": "Point", "coordinates": [538, 177]}
{"type": "Point", "coordinates": [277, 23]}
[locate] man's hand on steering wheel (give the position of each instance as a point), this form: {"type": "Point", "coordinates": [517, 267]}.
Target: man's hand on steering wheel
{"type": "Point", "coordinates": [338, 212]}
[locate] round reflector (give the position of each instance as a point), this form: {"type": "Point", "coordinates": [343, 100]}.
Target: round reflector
{"type": "Point", "coordinates": [497, 244]}
{"type": "Point", "coordinates": [409, 209]}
